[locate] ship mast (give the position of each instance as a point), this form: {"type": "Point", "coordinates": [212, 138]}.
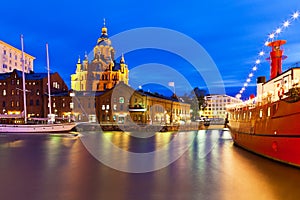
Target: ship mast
{"type": "Point", "coordinates": [23, 82]}
{"type": "Point", "coordinates": [276, 57]}
{"type": "Point", "coordinates": [49, 88]}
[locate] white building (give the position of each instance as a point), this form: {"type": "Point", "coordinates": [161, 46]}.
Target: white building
{"type": "Point", "coordinates": [11, 58]}
{"type": "Point", "coordinates": [216, 105]}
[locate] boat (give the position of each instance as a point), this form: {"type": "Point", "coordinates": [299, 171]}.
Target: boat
{"type": "Point", "coordinates": [34, 125]}
{"type": "Point", "coordinates": [268, 123]}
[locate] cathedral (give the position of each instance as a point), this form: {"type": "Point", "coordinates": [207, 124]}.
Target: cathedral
{"type": "Point", "coordinates": [103, 71]}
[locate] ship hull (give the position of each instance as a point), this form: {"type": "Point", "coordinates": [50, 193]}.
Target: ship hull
{"type": "Point", "coordinates": [36, 128]}
{"type": "Point", "coordinates": [285, 149]}
{"type": "Point", "coordinates": [273, 131]}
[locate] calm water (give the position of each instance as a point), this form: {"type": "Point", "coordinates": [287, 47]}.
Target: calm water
{"type": "Point", "coordinates": [208, 166]}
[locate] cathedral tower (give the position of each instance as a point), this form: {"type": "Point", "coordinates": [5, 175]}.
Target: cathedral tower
{"type": "Point", "coordinates": [102, 71]}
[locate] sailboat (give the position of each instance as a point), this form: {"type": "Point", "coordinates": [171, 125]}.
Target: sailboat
{"type": "Point", "coordinates": [50, 126]}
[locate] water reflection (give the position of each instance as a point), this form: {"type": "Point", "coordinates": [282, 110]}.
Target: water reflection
{"type": "Point", "coordinates": [58, 167]}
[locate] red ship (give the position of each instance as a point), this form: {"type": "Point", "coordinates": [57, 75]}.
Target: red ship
{"type": "Point", "coordinates": [269, 124]}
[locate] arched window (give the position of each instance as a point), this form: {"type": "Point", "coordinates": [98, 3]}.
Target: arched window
{"type": "Point", "coordinates": [121, 99]}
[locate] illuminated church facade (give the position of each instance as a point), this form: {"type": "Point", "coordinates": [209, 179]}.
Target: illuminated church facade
{"type": "Point", "coordinates": [101, 93]}
{"type": "Point", "coordinates": [103, 71]}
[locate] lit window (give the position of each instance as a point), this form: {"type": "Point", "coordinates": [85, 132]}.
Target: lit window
{"type": "Point", "coordinates": [107, 107]}
{"type": "Point", "coordinates": [55, 85]}
{"type": "Point", "coordinates": [260, 113]}
{"type": "Point", "coordinates": [103, 107]}
{"type": "Point", "coordinates": [115, 107]}
{"type": "Point", "coordinates": [121, 100]}
{"type": "Point", "coordinates": [4, 92]}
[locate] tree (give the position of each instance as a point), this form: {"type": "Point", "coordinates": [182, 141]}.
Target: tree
{"type": "Point", "coordinates": [196, 99]}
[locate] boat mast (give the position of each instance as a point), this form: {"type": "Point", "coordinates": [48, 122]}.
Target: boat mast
{"type": "Point", "coordinates": [23, 77]}
{"type": "Point", "coordinates": [49, 89]}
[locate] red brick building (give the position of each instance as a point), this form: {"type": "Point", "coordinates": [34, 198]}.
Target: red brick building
{"type": "Point", "coordinates": [11, 94]}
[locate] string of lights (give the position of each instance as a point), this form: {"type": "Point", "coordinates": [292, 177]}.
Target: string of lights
{"type": "Point", "coordinates": [271, 37]}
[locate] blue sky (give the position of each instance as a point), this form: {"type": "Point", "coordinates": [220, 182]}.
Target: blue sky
{"type": "Point", "coordinates": [231, 32]}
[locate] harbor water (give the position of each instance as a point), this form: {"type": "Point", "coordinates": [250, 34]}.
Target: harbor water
{"type": "Point", "coordinates": [182, 165]}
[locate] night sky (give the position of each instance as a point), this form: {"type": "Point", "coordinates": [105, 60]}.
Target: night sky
{"type": "Point", "coordinates": [231, 33]}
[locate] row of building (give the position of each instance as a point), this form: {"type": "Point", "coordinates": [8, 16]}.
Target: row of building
{"type": "Point", "coordinates": [99, 91]}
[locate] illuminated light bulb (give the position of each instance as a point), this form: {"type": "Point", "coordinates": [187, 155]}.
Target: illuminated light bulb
{"type": "Point", "coordinates": [286, 24]}
{"type": "Point", "coordinates": [261, 53]}
{"type": "Point", "coordinates": [238, 96]}
{"type": "Point", "coordinates": [257, 61]}
{"type": "Point", "coordinates": [296, 15]}
{"type": "Point", "coordinates": [278, 30]}
{"type": "Point", "coordinates": [271, 35]}
{"type": "Point", "coordinates": [250, 75]}
{"type": "Point", "coordinates": [254, 68]}
{"type": "Point", "coordinates": [248, 80]}
{"type": "Point", "coordinates": [245, 84]}
{"type": "Point", "coordinates": [266, 43]}
{"type": "Point", "coordinates": [243, 89]}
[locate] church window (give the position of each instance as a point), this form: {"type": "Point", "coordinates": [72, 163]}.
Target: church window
{"type": "Point", "coordinates": [121, 100]}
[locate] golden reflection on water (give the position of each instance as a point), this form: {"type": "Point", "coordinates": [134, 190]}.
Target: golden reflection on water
{"type": "Point", "coordinates": [52, 167]}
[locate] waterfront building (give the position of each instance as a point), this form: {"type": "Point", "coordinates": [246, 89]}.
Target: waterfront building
{"type": "Point", "coordinates": [83, 105]}
{"type": "Point", "coordinates": [124, 105]}
{"type": "Point", "coordinates": [11, 95]}
{"type": "Point", "coordinates": [103, 71]}
{"type": "Point", "coordinates": [11, 58]}
{"type": "Point", "coordinates": [216, 105]}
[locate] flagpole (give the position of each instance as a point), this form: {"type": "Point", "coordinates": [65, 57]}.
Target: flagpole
{"type": "Point", "coordinates": [174, 89]}
{"type": "Point", "coordinates": [23, 77]}
{"type": "Point", "coordinates": [172, 84]}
